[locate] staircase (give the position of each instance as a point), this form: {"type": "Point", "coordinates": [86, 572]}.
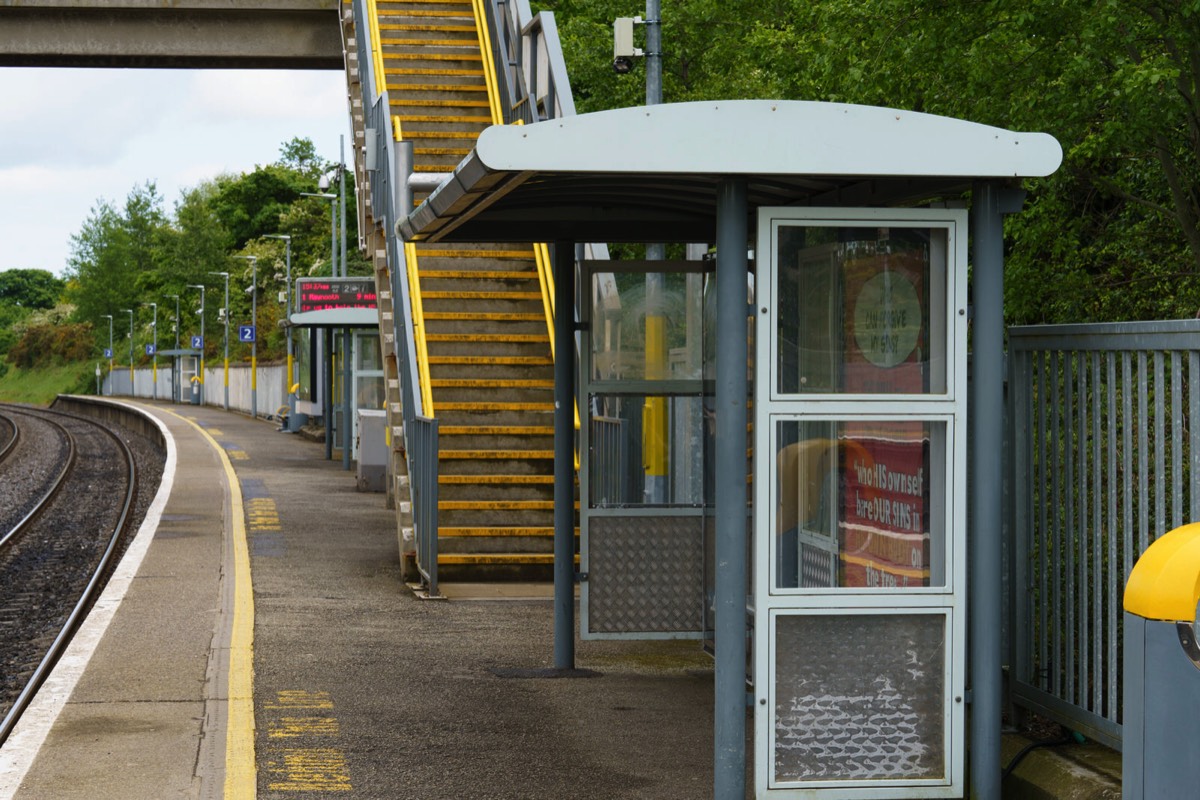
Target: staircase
{"type": "Point", "coordinates": [490, 364]}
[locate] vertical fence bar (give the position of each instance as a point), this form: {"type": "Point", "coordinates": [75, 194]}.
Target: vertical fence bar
{"type": "Point", "coordinates": [1069, 532]}
{"type": "Point", "coordinates": [1143, 455]}
{"type": "Point", "coordinates": [1176, 440]}
{"type": "Point", "coordinates": [1160, 456]}
{"type": "Point", "coordinates": [1058, 651]}
{"type": "Point", "coordinates": [1127, 427]}
{"type": "Point", "coordinates": [1043, 527]}
{"type": "Point", "coordinates": [1095, 579]}
{"type": "Point", "coordinates": [1020, 393]}
{"type": "Point", "coordinates": [1112, 644]}
{"type": "Point", "coordinates": [1194, 434]}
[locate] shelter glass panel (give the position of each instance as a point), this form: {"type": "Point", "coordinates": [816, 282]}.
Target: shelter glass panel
{"type": "Point", "coordinates": [860, 504]}
{"type": "Point", "coordinates": [861, 310]}
{"type": "Point", "coordinates": [647, 326]}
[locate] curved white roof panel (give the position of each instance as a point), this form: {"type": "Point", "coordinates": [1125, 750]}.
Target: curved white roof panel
{"type": "Point", "coordinates": [649, 173]}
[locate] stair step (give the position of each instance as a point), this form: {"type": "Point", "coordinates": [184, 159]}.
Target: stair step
{"type": "Point", "coordinates": [491, 383]}
{"type": "Point", "coordinates": [438, 294]}
{"type": "Point", "coordinates": [481, 559]}
{"type": "Point", "coordinates": [488, 316]}
{"type": "Point", "coordinates": [505, 455]}
{"type": "Point", "coordinates": [495, 407]}
{"type": "Point", "coordinates": [523, 361]}
{"type": "Point", "coordinates": [437, 87]}
{"type": "Point", "coordinates": [467, 531]}
{"type": "Point", "coordinates": [467, 338]}
{"type": "Point", "coordinates": [454, 103]}
{"type": "Point", "coordinates": [497, 505]}
{"type": "Point", "coordinates": [477, 274]}
{"type": "Point", "coordinates": [465, 253]}
{"type": "Point", "coordinates": [506, 480]}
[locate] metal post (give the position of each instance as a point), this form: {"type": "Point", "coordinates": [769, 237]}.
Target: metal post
{"type": "Point", "coordinates": [110, 353]}
{"type": "Point", "coordinates": [327, 404]}
{"type": "Point", "coordinates": [654, 433]}
{"type": "Point", "coordinates": [226, 341]}
{"type": "Point", "coordinates": [987, 442]}
{"type": "Point", "coordinates": [291, 360]}
{"type": "Point", "coordinates": [130, 312]}
{"type": "Point", "coordinates": [729, 722]}
{"type": "Point", "coordinates": [342, 198]}
{"type": "Point", "coordinates": [176, 394]}
{"type": "Point", "coordinates": [653, 52]}
{"type": "Point", "coordinates": [202, 342]}
{"type": "Point", "coordinates": [253, 340]}
{"type": "Point", "coordinates": [564, 456]}
{"type": "Point", "coordinates": [154, 356]}
{"type": "Point", "coordinates": [347, 397]}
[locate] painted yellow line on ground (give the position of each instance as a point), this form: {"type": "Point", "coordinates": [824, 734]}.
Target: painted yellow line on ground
{"type": "Point", "coordinates": [263, 515]}
{"type": "Point", "coordinates": [241, 779]}
{"type": "Point", "coordinates": [292, 727]}
{"type": "Point", "coordinates": [293, 699]}
{"type": "Point", "coordinates": [311, 769]}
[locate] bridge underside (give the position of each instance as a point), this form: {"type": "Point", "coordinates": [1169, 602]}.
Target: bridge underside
{"type": "Point", "coordinates": [270, 34]}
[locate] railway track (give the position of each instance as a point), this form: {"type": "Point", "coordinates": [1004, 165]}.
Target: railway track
{"type": "Point", "coordinates": [68, 498]}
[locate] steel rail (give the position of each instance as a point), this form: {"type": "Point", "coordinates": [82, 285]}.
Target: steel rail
{"type": "Point", "coordinates": [52, 491]}
{"type": "Point", "coordinates": [94, 586]}
{"type": "Point", "coordinates": [12, 442]}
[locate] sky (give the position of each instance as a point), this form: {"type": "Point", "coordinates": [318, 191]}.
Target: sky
{"type": "Point", "coordinates": [72, 137]}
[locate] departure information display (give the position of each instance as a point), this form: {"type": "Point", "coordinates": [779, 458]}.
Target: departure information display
{"type": "Point", "coordinates": [322, 294]}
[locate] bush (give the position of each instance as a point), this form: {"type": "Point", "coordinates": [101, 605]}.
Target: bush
{"type": "Point", "coordinates": [47, 345]}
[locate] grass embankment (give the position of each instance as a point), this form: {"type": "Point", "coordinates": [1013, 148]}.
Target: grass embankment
{"type": "Point", "coordinates": [40, 385]}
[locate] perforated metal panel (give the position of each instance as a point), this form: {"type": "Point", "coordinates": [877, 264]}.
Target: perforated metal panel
{"type": "Point", "coordinates": [860, 697]}
{"type": "Point", "coordinates": [646, 574]}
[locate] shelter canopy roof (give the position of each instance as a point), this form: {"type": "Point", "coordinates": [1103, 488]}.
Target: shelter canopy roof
{"type": "Point", "coordinates": [650, 173]}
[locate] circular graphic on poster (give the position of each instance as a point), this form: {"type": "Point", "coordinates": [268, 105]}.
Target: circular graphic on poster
{"type": "Point", "coordinates": [887, 319]}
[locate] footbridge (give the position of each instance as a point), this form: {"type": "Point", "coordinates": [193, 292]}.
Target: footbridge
{"type": "Point", "coordinates": [276, 34]}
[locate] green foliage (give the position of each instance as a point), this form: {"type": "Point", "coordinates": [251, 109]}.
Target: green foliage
{"type": "Point", "coordinates": [30, 288]}
{"type": "Point", "coordinates": [40, 385]}
{"type": "Point", "coordinates": [1115, 234]}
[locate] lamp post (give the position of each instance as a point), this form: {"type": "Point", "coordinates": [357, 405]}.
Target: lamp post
{"type": "Point", "coordinates": [291, 383]}
{"type": "Point", "coordinates": [154, 347]}
{"type": "Point", "coordinates": [254, 338]}
{"type": "Point", "coordinates": [333, 272]}
{"type": "Point", "coordinates": [201, 314]}
{"type": "Point", "coordinates": [129, 311]}
{"type": "Point", "coordinates": [225, 275]}
{"type": "Point", "coordinates": [110, 352]}
{"type": "Point", "coordinates": [175, 394]}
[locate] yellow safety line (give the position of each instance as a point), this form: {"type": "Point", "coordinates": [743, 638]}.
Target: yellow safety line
{"type": "Point", "coordinates": [241, 777]}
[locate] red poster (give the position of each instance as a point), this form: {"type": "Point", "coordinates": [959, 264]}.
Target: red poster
{"type": "Point", "coordinates": [885, 527]}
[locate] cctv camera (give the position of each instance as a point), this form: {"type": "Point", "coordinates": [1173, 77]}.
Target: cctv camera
{"type": "Point", "coordinates": [622, 64]}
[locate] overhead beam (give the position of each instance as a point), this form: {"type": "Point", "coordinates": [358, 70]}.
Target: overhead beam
{"type": "Point", "coordinates": [268, 34]}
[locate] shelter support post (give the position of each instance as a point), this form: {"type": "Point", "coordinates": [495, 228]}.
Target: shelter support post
{"type": "Point", "coordinates": [729, 722]}
{"type": "Point", "coordinates": [989, 201]}
{"type": "Point", "coordinates": [347, 396]}
{"type": "Point", "coordinates": [564, 456]}
{"type": "Point", "coordinates": [327, 395]}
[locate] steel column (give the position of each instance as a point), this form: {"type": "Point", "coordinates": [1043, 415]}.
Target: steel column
{"type": "Point", "coordinates": [729, 721]}
{"type": "Point", "coordinates": [347, 398]}
{"type": "Point", "coordinates": [564, 456]}
{"type": "Point", "coordinates": [987, 441]}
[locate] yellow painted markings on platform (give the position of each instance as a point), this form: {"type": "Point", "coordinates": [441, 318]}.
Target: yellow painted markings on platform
{"type": "Point", "coordinates": [214, 432]}
{"type": "Point", "coordinates": [293, 768]}
{"type": "Point", "coordinates": [237, 455]}
{"type": "Point", "coordinates": [241, 775]}
{"type": "Point", "coordinates": [262, 514]}
{"type": "Point", "coordinates": [311, 769]}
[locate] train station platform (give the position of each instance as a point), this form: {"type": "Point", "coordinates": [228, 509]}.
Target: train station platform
{"type": "Point", "coordinates": [352, 686]}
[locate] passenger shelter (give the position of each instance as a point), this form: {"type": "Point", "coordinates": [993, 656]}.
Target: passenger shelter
{"type": "Point", "coordinates": [841, 242]}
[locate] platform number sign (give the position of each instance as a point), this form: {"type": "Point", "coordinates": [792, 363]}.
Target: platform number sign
{"type": "Point", "coordinates": [150, 349]}
{"type": "Point", "coordinates": [197, 342]}
{"type": "Point", "coordinates": [246, 333]}
{"type": "Point", "coordinates": [108, 352]}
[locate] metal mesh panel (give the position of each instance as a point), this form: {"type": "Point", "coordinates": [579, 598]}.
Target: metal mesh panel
{"type": "Point", "coordinates": [646, 574]}
{"type": "Point", "coordinates": [860, 697]}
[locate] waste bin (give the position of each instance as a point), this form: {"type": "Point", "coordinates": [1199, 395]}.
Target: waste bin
{"type": "Point", "coordinates": [1161, 722]}
{"type": "Point", "coordinates": [195, 391]}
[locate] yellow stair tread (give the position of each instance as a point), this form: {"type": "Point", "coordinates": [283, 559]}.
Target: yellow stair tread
{"type": "Point", "coordinates": [483, 316]}
{"type": "Point", "coordinates": [477, 274]}
{"type": "Point", "coordinates": [529, 338]}
{"type": "Point", "coordinates": [515, 480]}
{"type": "Point", "coordinates": [491, 383]}
{"type": "Point", "coordinates": [453, 406]}
{"type": "Point", "coordinates": [438, 294]}
{"type": "Point", "coordinates": [465, 253]}
{"type": "Point", "coordinates": [474, 531]}
{"type": "Point", "coordinates": [496, 430]}
{"type": "Point", "coordinates": [506, 455]}
{"type": "Point", "coordinates": [527, 361]}
{"type": "Point", "coordinates": [497, 505]}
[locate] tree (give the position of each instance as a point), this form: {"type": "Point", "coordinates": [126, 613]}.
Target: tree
{"type": "Point", "coordinates": [30, 288]}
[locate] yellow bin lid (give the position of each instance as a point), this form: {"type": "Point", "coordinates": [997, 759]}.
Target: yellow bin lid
{"type": "Point", "coordinates": [1165, 582]}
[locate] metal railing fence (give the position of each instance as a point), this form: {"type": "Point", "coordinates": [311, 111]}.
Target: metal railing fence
{"type": "Point", "coordinates": [423, 439]}
{"type": "Point", "coordinates": [1105, 459]}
